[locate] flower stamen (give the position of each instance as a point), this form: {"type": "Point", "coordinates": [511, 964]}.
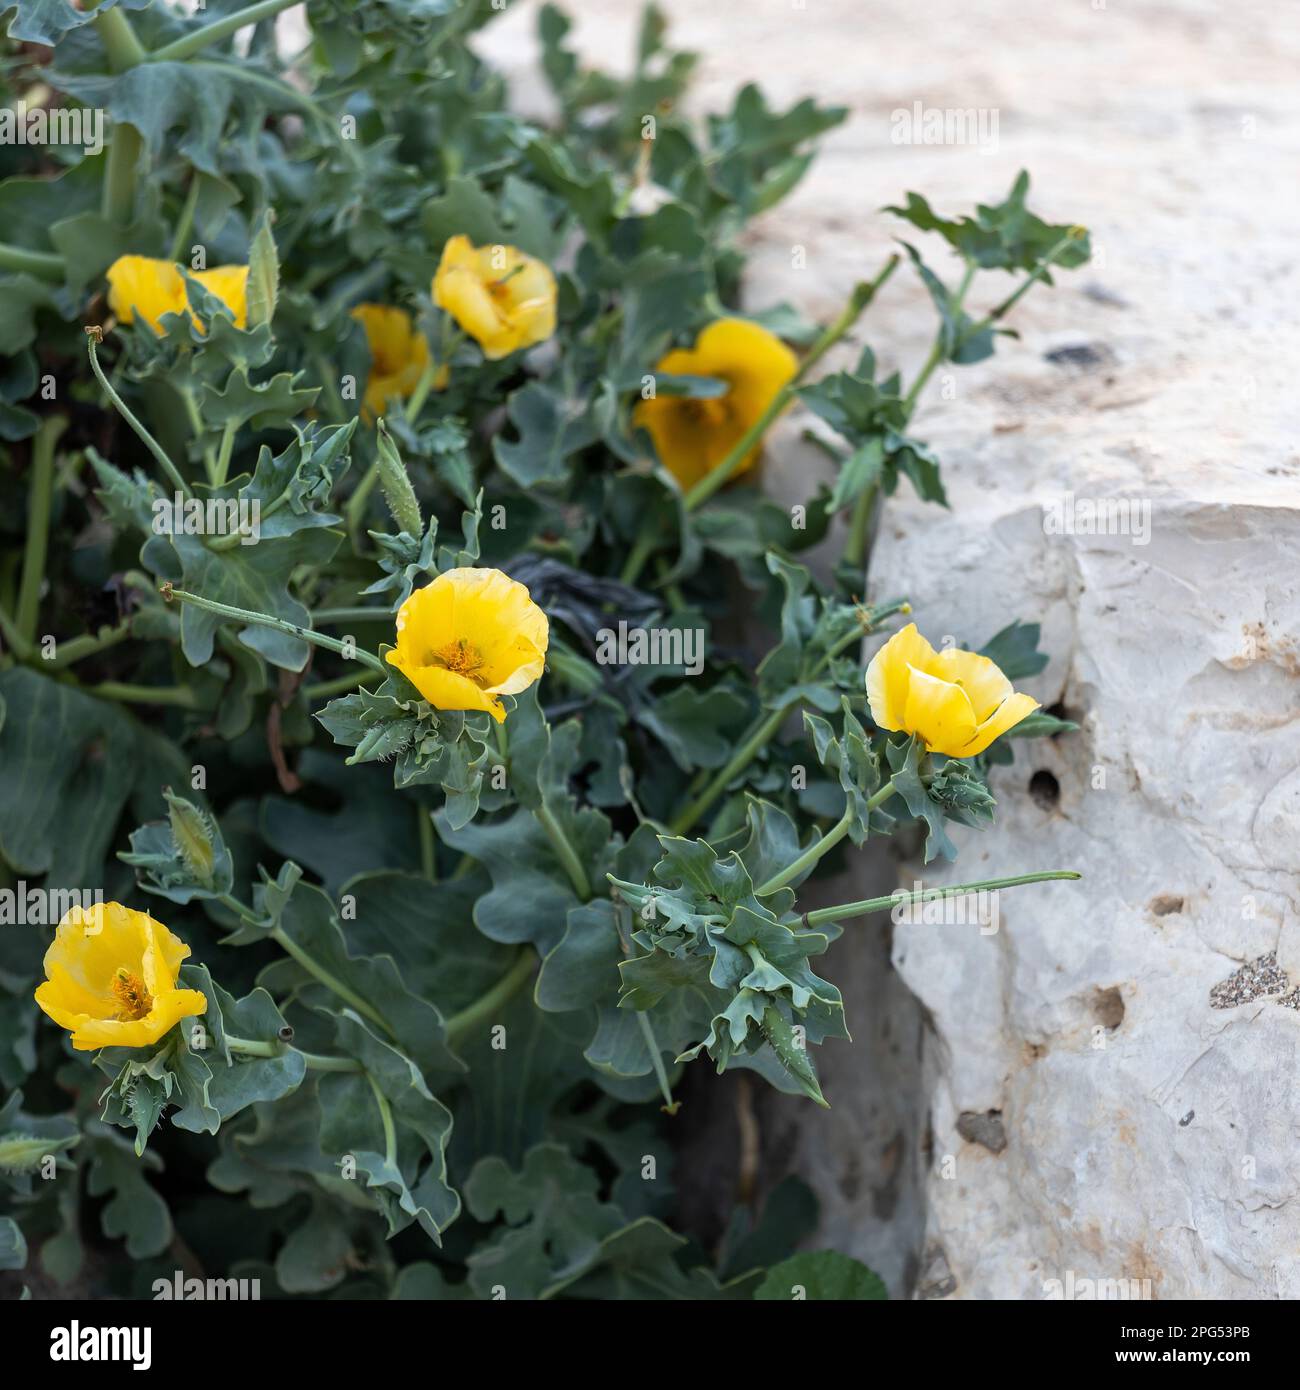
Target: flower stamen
{"type": "Point", "coordinates": [132, 994]}
{"type": "Point", "coordinates": [460, 658]}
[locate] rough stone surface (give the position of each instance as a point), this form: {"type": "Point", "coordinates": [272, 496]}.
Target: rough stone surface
{"type": "Point", "coordinates": [1143, 1131]}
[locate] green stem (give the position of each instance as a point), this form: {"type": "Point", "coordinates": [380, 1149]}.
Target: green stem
{"type": "Point", "coordinates": [355, 511]}
{"type": "Point", "coordinates": [121, 46]}
{"type": "Point", "coordinates": [868, 905]}
{"type": "Point", "coordinates": [123, 50]}
{"type": "Point", "coordinates": [941, 352]}
{"type": "Point", "coordinates": [940, 349]}
{"type": "Point", "coordinates": [1034, 276]}
{"type": "Point", "coordinates": [757, 736]}
{"type": "Point", "coordinates": [189, 44]}
{"type": "Point", "coordinates": [247, 615]}
{"type": "Point", "coordinates": [767, 724]}
{"type": "Point", "coordinates": [327, 690]}
{"type": "Point", "coordinates": [224, 453]}
{"type": "Point", "coordinates": [564, 851]}
{"type": "Point", "coordinates": [317, 1062]}
{"type": "Point", "coordinates": [124, 148]}
{"type": "Point", "coordinates": [39, 497]}
{"type": "Point", "coordinates": [486, 1006]}
{"type": "Point", "coordinates": [858, 301]}
{"type": "Point", "coordinates": [657, 1061]}
{"type": "Point", "coordinates": [93, 337]}
{"type": "Point", "coordinates": [832, 837]}
{"type": "Point", "coordinates": [44, 264]}
{"type": "Point", "coordinates": [386, 1117]}
{"type": "Point", "coordinates": [644, 546]}
{"type": "Point", "coordinates": [185, 223]}
{"type": "Point", "coordinates": [422, 388]}
{"type": "Point", "coordinates": [197, 429]}
{"type": "Point", "coordinates": [19, 645]}
{"type": "Point", "coordinates": [352, 615]}
{"type": "Point", "coordinates": [428, 850]}
{"type": "Point", "coordinates": [255, 1047]}
{"type": "Point", "coordinates": [810, 856]}
{"type": "Point", "coordinates": [88, 644]}
{"type": "Point", "coordinates": [864, 509]}
{"type": "Point", "coordinates": [180, 695]}
{"type": "Point", "coordinates": [331, 982]}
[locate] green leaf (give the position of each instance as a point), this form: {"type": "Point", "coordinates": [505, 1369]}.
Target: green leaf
{"type": "Point", "coordinates": [552, 426]}
{"type": "Point", "coordinates": [555, 1222]}
{"type": "Point", "coordinates": [852, 761]}
{"type": "Point", "coordinates": [61, 797]}
{"type": "Point", "coordinates": [309, 928]}
{"type": "Point", "coordinates": [1015, 652]}
{"type": "Point", "coordinates": [521, 1068]}
{"type": "Point", "coordinates": [47, 21]}
{"type": "Point", "coordinates": [135, 1211]}
{"type": "Point", "coordinates": [1041, 725]}
{"type": "Point", "coordinates": [316, 1257]}
{"type": "Point", "coordinates": [407, 1176]}
{"type": "Point", "coordinates": [706, 933]}
{"type": "Point", "coordinates": [238, 1080]}
{"type": "Point", "coordinates": [26, 1141]}
{"type": "Point", "coordinates": [822, 1274]}
{"type": "Point", "coordinates": [697, 727]}
{"type": "Point", "coordinates": [905, 764]}
{"type": "Point", "coordinates": [13, 1246]}
{"type": "Point", "coordinates": [1001, 236]}
{"type": "Point", "coordinates": [463, 209]}
{"type": "Point", "coordinates": [184, 857]}
{"type": "Point", "coordinates": [265, 405]}
{"type": "Point", "coordinates": [263, 274]}
{"type": "Point", "coordinates": [643, 1262]}
{"type": "Point", "coordinates": [202, 96]}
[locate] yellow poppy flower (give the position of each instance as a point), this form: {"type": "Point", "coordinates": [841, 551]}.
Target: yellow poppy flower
{"type": "Point", "coordinates": [693, 436]}
{"type": "Point", "coordinates": [470, 637]}
{"type": "Point", "coordinates": [503, 299]}
{"type": "Point", "coordinates": [956, 702]}
{"type": "Point", "coordinates": [230, 285]}
{"type": "Point", "coordinates": [399, 354]}
{"type": "Point", "coordinates": [110, 978]}
{"type": "Point", "coordinates": [145, 288]}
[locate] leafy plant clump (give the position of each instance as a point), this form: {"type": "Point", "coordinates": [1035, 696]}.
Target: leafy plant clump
{"type": "Point", "coordinates": [419, 731]}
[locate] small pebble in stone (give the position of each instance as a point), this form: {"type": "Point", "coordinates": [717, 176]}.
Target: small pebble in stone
{"type": "Point", "coordinates": [1255, 979]}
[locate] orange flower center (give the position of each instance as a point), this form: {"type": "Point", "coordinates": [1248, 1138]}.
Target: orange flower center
{"type": "Point", "coordinates": [132, 995]}
{"type": "Point", "coordinates": [707, 412]}
{"type": "Point", "coordinates": [501, 289]}
{"type": "Point", "coordinates": [460, 658]}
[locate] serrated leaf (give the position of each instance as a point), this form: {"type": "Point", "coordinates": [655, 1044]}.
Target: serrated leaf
{"type": "Point", "coordinates": [822, 1274]}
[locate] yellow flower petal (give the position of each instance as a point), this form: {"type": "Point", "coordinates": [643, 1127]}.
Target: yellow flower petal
{"type": "Point", "coordinates": [940, 713]}
{"type": "Point", "coordinates": [399, 353]}
{"type": "Point", "coordinates": [111, 978]}
{"type": "Point", "coordinates": [470, 636]}
{"type": "Point", "coordinates": [980, 678]}
{"type": "Point", "coordinates": [693, 436]}
{"type": "Point", "coordinates": [146, 288]}
{"type": "Point", "coordinates": [1016, 707]}
{"type": "Point", "coordinates": [956, 702]}
{"type": "Point", "coordinates": [141, 287]}
{"type": "Point", "coordinates": [502, 298]}
{"type": "Point", "coordinates": [888, 675]}
{"type": "Point", "coordinates": [230, 285]}
{"type": "Point", "coordinates": [447, 690]}
{"type": "Point", "coordinates": [90, 1034]}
